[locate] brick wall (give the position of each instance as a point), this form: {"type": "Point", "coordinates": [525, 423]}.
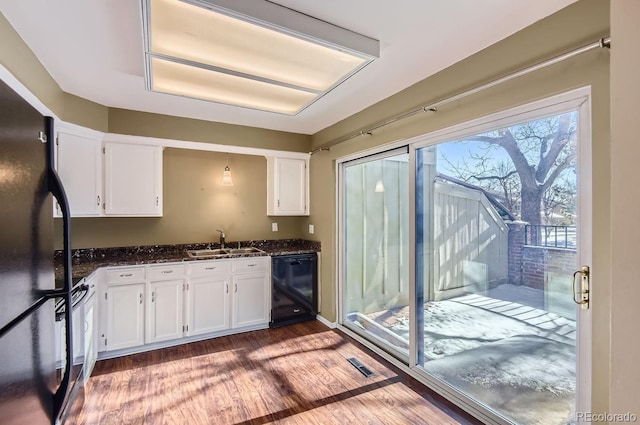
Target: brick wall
{"type": "Point", "coordinates": [528, 264]}
{"type": "Point", "coordinates": [515, 251]}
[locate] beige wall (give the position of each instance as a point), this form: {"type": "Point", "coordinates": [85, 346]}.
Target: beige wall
{"type": "Point", "coordinates": [625, 204]}
{"type": "Point", "coordinates": [582, 23]}
{"type": "Point", "coordinates": [122, 121]}
{"type": "Point", "coordinates": [195, 205]}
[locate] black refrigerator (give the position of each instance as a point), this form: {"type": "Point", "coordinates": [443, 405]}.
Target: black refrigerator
{"type": "Point", "coordinates": [33, 389]}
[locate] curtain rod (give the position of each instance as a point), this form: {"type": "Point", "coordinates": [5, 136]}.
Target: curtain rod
{"type": "Point", "coordinates": [601, 43]}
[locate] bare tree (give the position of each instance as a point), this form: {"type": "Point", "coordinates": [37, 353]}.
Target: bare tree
{"type": "Point", "coordinates": [498, 177]}
{"type": "Point", "coordinates": [558, 203]}
{"type": "Point", "coordinates": [540, 151]}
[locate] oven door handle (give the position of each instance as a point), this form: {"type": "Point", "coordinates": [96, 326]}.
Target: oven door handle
{"type": "Point", "coordinates": [56, 188]}
{"type": "Point", "coordinates": [80, 288]}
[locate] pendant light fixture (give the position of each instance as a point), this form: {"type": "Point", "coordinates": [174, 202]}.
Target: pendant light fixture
{"type": "Point", "coordinates": [226, 175]}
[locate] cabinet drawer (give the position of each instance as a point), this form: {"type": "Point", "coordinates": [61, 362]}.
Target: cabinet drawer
{"type": "Point", "coordinates": [166, 272]}
{"type": "Point", "coordinates": [208, 267]}
{"type": "Point", "coordinates": [126, 274]}
{"type": "Point", "coordinates": [253, 264]}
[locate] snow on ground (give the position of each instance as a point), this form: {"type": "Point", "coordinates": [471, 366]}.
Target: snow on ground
{"type": "Point", "coordinates": [456, 325]}
{"type": "Point", "coordinates": [517, 359]}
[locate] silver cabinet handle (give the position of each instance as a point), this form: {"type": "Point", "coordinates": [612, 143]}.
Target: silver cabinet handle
{"type": "Point", "coordinates": [98, 200]}
{"type": "Point", "coordinates": [251, 265]}
{"type": "Point", "coordinates": [126, 275]}
{"type": "Point", "coordinates": [226, 288]}
{"type": "Point", "coordinates": [236, 287]}
{"type": "Point", "coordinates": [210, 268]}
{"type": "Point", "coordinates": [140, 297]}
{"type": "Point", "coordinates": [157, 200]}
{"type": "Point", "coordinates": [167, 271]}
{"type": "Point", "coordinates": [153, 297]}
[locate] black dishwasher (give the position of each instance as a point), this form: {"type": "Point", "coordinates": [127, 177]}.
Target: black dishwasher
{"type": "Point", "coordinates": [294, 289]}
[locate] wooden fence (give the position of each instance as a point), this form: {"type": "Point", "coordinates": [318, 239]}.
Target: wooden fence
{"type": "Point", "coordinates": [470, 242]}
{"type": "Point", "coordinates": [469, 249]}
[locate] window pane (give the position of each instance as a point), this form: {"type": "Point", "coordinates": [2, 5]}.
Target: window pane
{"type": "Point", "coordinates": [376, 253]}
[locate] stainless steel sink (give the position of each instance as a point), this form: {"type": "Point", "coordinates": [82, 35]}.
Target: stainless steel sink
{"type": "Point", "coordinates": [208, 253]}
{"type": "Point", "coordinates": [246, 250]}
{"type": "Point", "coordinates": [222, 252]}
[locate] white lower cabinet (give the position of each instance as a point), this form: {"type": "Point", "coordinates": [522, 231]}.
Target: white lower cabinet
{"type": "Point", "coordinates": [250, 299]}
{"type": "Point", "coordinates": [208, 304]}
{"type": "Point", "coordinates": [251, 291]}
{"type": "Point", "coordinates": [165, 302]}
{"type": "Point", "coordinates": [158, 303]}
{"type": "Point", "coordinates": [165, 310]}
{"type": "Point", "coordinates": [124, 315]}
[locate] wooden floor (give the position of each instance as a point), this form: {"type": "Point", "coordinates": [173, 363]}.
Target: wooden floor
{"type": "Point", "coordinates": [297, 374]}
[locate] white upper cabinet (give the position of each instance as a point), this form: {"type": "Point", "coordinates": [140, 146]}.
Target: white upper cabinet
{"type": "Point", "coordinates": [133, 179]}
{"type": "Point", "coordinates": [287, 186]}
{"type": "Point", "coordinates": [79, 165]}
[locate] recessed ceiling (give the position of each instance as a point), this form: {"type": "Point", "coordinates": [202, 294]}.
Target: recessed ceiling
{"type": "Point", "coordinates": [94, 49]}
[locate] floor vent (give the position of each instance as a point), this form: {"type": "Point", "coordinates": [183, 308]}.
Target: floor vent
{"type": "Point", "coordinates": [362, 368]}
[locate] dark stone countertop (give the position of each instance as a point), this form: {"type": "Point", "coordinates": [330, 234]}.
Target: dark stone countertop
{"type": "Point", "coordinates": [86, 261]}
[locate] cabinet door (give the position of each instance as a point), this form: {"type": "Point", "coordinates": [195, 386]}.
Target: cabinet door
{"type": "Point", "coordinates": [79, 165]}
{"type": "Point", "coordinates": [287, 187]}
{"type": "Point", "coordinates": [90, 345]}
{"type": "Point", "coordinates": [165, 309]}
{"type": "Point", "coordinates": [125, 316]}
{"type": "Point", "coordinates": [133, 180]}
{"type": "Point", "coordinates": [208, 302]}
{"type": "Point", "coordinates": [250, 296]}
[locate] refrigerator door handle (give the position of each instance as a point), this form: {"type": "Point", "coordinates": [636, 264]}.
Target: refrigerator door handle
{"type": "Point", "coordinates": [56, 188]}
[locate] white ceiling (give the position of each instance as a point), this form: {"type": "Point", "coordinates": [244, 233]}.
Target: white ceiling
{"type": "Point", "coordinates": [94, 50]}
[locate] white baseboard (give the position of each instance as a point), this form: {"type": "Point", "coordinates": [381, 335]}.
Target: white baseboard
{"type": "Point", "coordinates": [327, 323]}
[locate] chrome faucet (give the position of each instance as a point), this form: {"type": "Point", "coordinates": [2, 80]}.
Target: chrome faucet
{"type": "Point", "coordinates": [222, 236]}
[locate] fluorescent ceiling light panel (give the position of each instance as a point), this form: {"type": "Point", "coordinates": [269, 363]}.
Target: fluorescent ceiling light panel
{"type": "Point", "coordinates": [250, 53]}
{"type": "Point", "coordinates": [201, 83]}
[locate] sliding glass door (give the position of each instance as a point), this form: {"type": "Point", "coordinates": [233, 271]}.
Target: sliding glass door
{"type": "Point", "coordinates": [464, 255]}
{"type": "Point", "coordinates": [496, 244]}
{"type": "Point", "coordinates": [376, 248]}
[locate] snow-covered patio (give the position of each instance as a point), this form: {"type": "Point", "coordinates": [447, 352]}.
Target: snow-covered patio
{"type": "Point", "coordinates": [500, 349]}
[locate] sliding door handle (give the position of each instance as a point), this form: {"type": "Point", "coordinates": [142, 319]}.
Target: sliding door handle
{"type": "Point", "coordinates": [582, 295]}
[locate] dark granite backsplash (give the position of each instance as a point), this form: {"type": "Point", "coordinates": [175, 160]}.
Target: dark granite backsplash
{"type": "Point", "coordinates": [85, 261]}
